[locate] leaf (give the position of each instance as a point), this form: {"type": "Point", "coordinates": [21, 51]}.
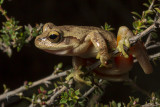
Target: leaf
{"type": "Point", "coordinates": [150, 21]}
{"type": "Point", "coordinates": [4, 87]}
{"type": "Point", "coordinates": [30, 83]}
{"type": "Point", "coordinates": [135, 13]}
{"type": "Point", "coordinates": [145, 4]}
{"type": "Point", "coordinates": [63, 101]}
{"type": "Point", "coordinates": [33, 96]}
{"type": "Point", "coordinates": [1, 2]}
{"type": "Point", "coordinates": [50, 92]}
{"type": "Point", "coordinates": [158, 10]}
{"type": "Point", "coordinates": [60, 65]}
{"type": "Point", "coordinates": [42, 89]}
{"type": "Point", "coordinates": [156, 5]}
{"type": "Point", "coordinates": [154, 35]}
{"type": "Point", "coordinates": [55, 85]}
{"type": "Point", "coordinates": [113, 104]}
{"type": "Point", "coordinates": [119, 105]}
{"type": "Point", "coordinates": [150, 1]}
{"type": "Point", "coordinates": [148, 12]}
{"type": "Point", "coordinates": [77, 92]}
{"type": "Point", "coordinates": [135, 24]}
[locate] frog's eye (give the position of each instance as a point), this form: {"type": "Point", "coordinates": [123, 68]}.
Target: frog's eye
{"type": "Point", "coordinates": [54, 36]}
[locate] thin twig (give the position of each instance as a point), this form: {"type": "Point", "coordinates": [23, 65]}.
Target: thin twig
{"type": "Point", "coordinates": [4, 13]}
{"type": "Point", "coordinates": [148, 40]}
{"type": "Point", "coordinates": [151, 6]}
{"type": "Point", "coordinates": [89, 91]}
{"type": "Point", "coordinates": [153, 46]}
{"type": "Point", "coordinates": [154, 56]}
{"type": "Point", "coordinates": [151, 28]}
{"type": "Point", "coordinates": [135, 86]}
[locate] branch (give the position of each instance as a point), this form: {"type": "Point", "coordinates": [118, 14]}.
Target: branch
{"type": "Point", "coordinates": [52, 99]}
{"type": "Point", "coordinates": [4, 13]}
{"type": "Point", "coordinates": [151, 6]}
{"type": "Point", "coordinates": [148, 40]}
{"type": "Point", "coordinates": [89, 91]}
{"type": "Point", "coordinates": [36, 83]}
{"type": "Point", "coordinates": [151, 28]}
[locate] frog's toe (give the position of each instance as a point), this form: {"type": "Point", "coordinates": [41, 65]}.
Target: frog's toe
{"type": "Point", "coordinates": [71, 75]}
{"type": "Point", "coordinates": [78, 78]}
{"type": "Point", "coordinates": [104, 59]}
{"type": "Point", "coordinates": [120, 47]}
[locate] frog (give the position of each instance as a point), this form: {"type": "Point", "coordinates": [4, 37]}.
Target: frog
{"type": "Point", "coordinates": [89, 42]}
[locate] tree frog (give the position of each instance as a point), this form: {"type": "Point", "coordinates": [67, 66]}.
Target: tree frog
{"type": "Point", "coordinates": [83, 42]}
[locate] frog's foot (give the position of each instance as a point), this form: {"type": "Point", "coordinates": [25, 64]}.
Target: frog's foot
{"type": "Point", "coordinates": [121, 43]}
{"type": "Point", "coordinates": [76, 75]}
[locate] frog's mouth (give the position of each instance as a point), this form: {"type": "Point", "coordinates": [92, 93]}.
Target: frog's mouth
{"type": "Point", "coordinates": [58, 52]}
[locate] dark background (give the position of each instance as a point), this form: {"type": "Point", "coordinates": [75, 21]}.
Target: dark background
{"type": "Point", "coordinates": [32, 64]}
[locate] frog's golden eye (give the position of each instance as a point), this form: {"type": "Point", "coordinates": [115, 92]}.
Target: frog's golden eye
{"type": "Point", "coordinates": [54, 36]}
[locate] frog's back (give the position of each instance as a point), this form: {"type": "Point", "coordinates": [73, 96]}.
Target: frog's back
{"type": "Point", "coordinates": [80, 32]}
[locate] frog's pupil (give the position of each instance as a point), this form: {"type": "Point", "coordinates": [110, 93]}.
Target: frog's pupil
{"type": "Point", "coordinates": [53, 36]}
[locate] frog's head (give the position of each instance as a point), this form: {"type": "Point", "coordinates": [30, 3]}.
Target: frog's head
{"type": "Point", "coordinates": [53, 41]}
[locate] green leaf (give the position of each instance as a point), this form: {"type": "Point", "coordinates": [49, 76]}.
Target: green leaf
{"type": "Point", "coordinates": [63, 101]}
{"type": "Point", "coordinates": [150, 21]}
{"type": "Point", "coordinates": [145, 4]}
{"type": "Point", "coordinates": [119, 105]}
{"type": "Point", "coordinates": [148, 12]}
{"type": "Point", "coordinates": [42, 89]}
{"type": "Point", "coordinates": [4, 87]}
{"type": "Point", "coordinates": [113, 104]}
{"type": "Point", "coordinates": [156, 5]}
{"type": "Point", "coordinates": [55, 85]}
{"type": "Point", "coordinates": [77, 92]}
{"type": "Point", "coordinates": [135, 13]}
{"type": "Point", "coordinates": [1, 2]}
{"type": "Point", "coordinates": [60, 65]}
{"type": "Point", "coordinates": [135, 24]}
{"type": "Point", "coordinates": [76, 97]}
{"type": "Point", "coordinates": [65, 95]}
{"type": "Point", "coordinates": [50, 92]}
{"type": "Point", "coordinates": [150, 1]}
{"type": "Point", "coordinates": [158, 10]}
{"type": "Point", "coordinates": [30, 83]}
{"type": "Point", "coordinates": [154, 35]}
{"type": "Point", "coordinates": [33, 96]}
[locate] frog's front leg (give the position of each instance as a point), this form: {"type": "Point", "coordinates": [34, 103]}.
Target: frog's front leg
{"type": "Point", "coordinates": [123, 39]}
{"type": "Point", "coordinates": [99, 43]}
{"type": "Point", "coordinates": [77, 62]}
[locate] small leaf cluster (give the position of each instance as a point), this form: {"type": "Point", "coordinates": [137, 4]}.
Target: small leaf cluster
{"type": "Point", "coordinates": [71, 98]}
{"type": "Point", "coordinates": [27, 84]}
{"type": "Point", "coordinates": [107, 27]}
{"type": "Point", "coordinates": [57, 68]}
{"type": "Point", "coordinates": [39, 98]}
{"type": "Point", "coordinates": [12, 35]}
{"type": "Point", "coordinates": [155, 98]}
{"type": "Point", "coordinates": [146, 19]}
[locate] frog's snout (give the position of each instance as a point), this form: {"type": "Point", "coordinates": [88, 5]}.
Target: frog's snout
{"type": "Point", "coordinates": [38, 39]}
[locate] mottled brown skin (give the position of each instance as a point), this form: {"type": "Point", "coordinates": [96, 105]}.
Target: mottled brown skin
{"type": "Point", "coordinates": [86, 42]}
